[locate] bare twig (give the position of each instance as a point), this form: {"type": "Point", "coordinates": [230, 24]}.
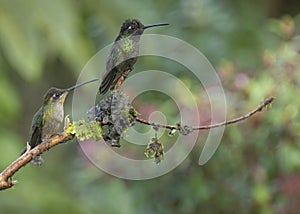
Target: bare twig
{"type": "Point", "coordinates": [259, 108]}
{"type": "Point", "coordinates": [6, 175]}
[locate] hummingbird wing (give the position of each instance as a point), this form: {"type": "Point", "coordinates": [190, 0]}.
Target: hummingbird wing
{"type": "Point", "coordinates": [107, 80]}
{"type": "Point", "coordinates": [36, 128]}
{"type": "Point", "coordinates": [111, 69]}
{"type": "Point", "coordinates": [119, 64]}
{"type": "Point", "coordinates": [115, 77]}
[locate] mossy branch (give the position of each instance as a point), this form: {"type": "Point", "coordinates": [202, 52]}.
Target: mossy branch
{"type": "Point", "coordinates": [93, 129]}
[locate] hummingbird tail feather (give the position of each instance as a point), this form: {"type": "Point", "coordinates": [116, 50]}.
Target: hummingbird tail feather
{"type": "Point", "coordinates": [107, 82]}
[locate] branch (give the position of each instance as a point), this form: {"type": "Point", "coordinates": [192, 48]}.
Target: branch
{"type": "Point", "coordinates": [6, 175]}
{"type": "Point", "coordinates": [259, 108]}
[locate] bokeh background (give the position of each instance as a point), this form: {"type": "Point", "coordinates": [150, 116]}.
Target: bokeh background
{"type": "Point", "coordinates": [255, 48]}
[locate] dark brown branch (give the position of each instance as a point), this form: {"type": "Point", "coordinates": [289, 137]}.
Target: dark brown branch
{"type": "Point", "coordinates": [259, 108]}
{"type": "Point", "coordinates": [6, 175]}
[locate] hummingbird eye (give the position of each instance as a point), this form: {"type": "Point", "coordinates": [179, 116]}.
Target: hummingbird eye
{"type": "Point", "coordinates": [55, 95]}
{"type": "Point", "coordinates": [131, 27]}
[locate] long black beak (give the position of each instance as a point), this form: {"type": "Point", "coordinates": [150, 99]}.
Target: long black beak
{"type": "Point", "coordinates": [155, 25]}
{"type": "Point", "coordinates": [80, 84]}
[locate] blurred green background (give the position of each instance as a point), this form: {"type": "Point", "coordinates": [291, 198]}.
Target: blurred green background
{"type": "Point", "coordinates": [255, 47]}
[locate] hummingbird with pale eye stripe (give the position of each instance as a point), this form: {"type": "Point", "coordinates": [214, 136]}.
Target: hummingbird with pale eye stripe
{"type": "Point", "coordinates": [47, 120]}
{"type": "Point", "coordinates": [123, 54]}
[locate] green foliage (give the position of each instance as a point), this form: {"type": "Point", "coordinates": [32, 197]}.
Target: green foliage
{"type": "Point", "coordinates": [10, 107]}
{"type": "Point", "coordinates": [28, 38]}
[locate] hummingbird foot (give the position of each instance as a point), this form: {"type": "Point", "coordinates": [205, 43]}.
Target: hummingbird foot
{"type": "Point", "coordinates": [37, 160]}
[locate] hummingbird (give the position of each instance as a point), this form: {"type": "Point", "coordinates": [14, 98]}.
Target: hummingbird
{"type": "Point", "coordinates": [47, 120]}
{"type": "Point", "coordinates": [123, 54]}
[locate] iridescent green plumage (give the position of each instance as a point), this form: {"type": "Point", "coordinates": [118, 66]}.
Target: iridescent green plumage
{"type": "Point", "coordinates": [48, 119]}
{"type": "Point", "coordinates": [123, 54]}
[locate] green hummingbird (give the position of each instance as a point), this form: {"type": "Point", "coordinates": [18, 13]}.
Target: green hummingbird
{"type": "Point", "coordinates": [123, 54]}
{"type": "Point", "coordinates": [47, 120]}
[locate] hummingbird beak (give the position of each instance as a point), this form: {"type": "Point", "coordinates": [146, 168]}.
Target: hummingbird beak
{"type": "Point", "coordinates": [155, 25]}
{"type": "Point", "coordinates": [80, 84]}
